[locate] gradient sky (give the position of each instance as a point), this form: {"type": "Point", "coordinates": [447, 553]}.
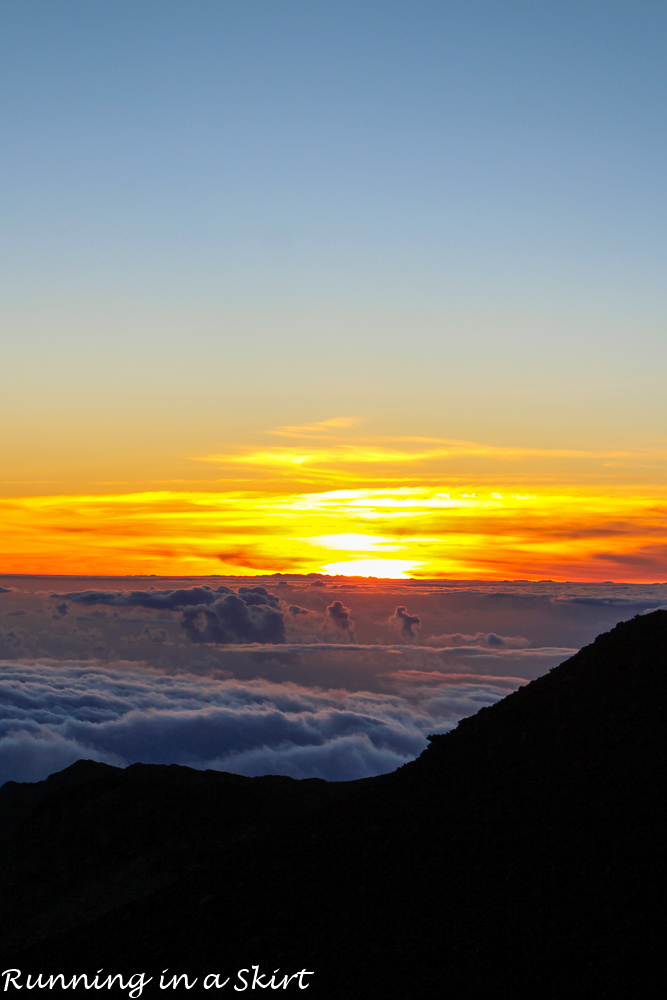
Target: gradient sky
{"type": "Point", "coordinates": [258, 253]}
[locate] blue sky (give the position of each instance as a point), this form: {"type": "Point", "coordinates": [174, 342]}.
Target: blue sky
{"type": "Point", "coordinates": [436, 143]}
{"type": "Point", "coordinates": [306, 209]}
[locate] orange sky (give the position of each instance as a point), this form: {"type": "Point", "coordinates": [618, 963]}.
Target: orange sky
{"type": "Point", "coordinates": [326, 498]}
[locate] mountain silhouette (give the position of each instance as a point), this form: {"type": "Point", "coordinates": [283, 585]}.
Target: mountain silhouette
{"type": "Point", "coordinates": [521, 855]}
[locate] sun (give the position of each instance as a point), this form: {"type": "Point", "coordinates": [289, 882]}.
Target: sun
{"type": "Point", "coordinates": [386, 569]}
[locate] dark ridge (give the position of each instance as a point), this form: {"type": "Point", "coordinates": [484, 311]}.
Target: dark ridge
{"type": "Point", "coordinates": [520, 856]}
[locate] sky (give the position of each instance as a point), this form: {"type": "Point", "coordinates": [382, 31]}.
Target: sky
{"type": "Point", "coordinates": [336, 288]}
{"type": "Point", "coordinates": [332, 392]}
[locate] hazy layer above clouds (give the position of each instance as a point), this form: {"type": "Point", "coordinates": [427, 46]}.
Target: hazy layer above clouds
{"type": "Point", "coordinates": [337, 679]}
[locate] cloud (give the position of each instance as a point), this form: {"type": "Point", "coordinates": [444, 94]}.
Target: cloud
{"type": "Point", "coordinates": [5, 590]}
{"type": "Point", "coordinates": [481, 639]}
{"type": "Point", "coordinates": [611, 602]}
{"type": "Point", "coordinates": [464, 622]}
{"type": "Point", "coordinates": [406, 622]}
{"type": "Point", "coordinates": [158, 600]}
{"type": "Point", "coordinates": [340, 616]}
{"type": "Point", "coordinates": [249, 615]}
{"type": "Point", "coordinates": [358, 667]}
{"type": "Point", "coordinates": [54, 713]}
{"type": "Point", "coordinates": [258, 595]}
{"type": "Point", "coordinates": [242, 617]}
{"type": "Point", "coordinates": [295, 609]}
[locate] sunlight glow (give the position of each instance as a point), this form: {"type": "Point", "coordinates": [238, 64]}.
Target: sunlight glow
{"type": "Point", "coordinates": [386, 569]}
{"type": "Point", "coordinates": [467, 510]}
{"type": "Point", "coordinates": [576, 534]}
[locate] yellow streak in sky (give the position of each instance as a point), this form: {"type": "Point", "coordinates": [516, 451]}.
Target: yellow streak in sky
{"type": "Point", "coordinates": [346, 458]}
{"type": "Point", "coordinates": [361, 454]}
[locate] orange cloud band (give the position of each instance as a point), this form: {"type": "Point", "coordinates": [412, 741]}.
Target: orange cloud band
{"type": "Point", "coordinates": [574, 533]}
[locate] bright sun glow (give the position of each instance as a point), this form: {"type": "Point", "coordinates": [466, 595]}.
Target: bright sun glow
{"type": "Point", "coordinates": [387, 569]}
{"type": "Point", "coordinates": [417, 531]}
{"type": "Point", "coordinates": [380, 507]}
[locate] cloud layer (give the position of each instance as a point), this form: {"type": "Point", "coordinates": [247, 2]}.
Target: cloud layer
{"type": "Point", "coordinates": [339, 681]}
{"type": "Point", "coordinates": [218, 616]}
{"type": "Point", "coordinates": [55, 713]}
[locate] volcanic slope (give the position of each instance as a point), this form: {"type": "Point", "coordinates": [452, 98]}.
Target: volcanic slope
{"type": "Point", "coordinates": [522, 855]}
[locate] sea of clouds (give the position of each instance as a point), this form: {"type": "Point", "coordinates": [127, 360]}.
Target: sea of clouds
{"type": "Point", "coordinates": [300, 678]}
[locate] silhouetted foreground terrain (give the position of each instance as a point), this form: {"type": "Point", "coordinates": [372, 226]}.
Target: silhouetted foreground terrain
{"type": "Point", "coordinates": [521, 855]}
